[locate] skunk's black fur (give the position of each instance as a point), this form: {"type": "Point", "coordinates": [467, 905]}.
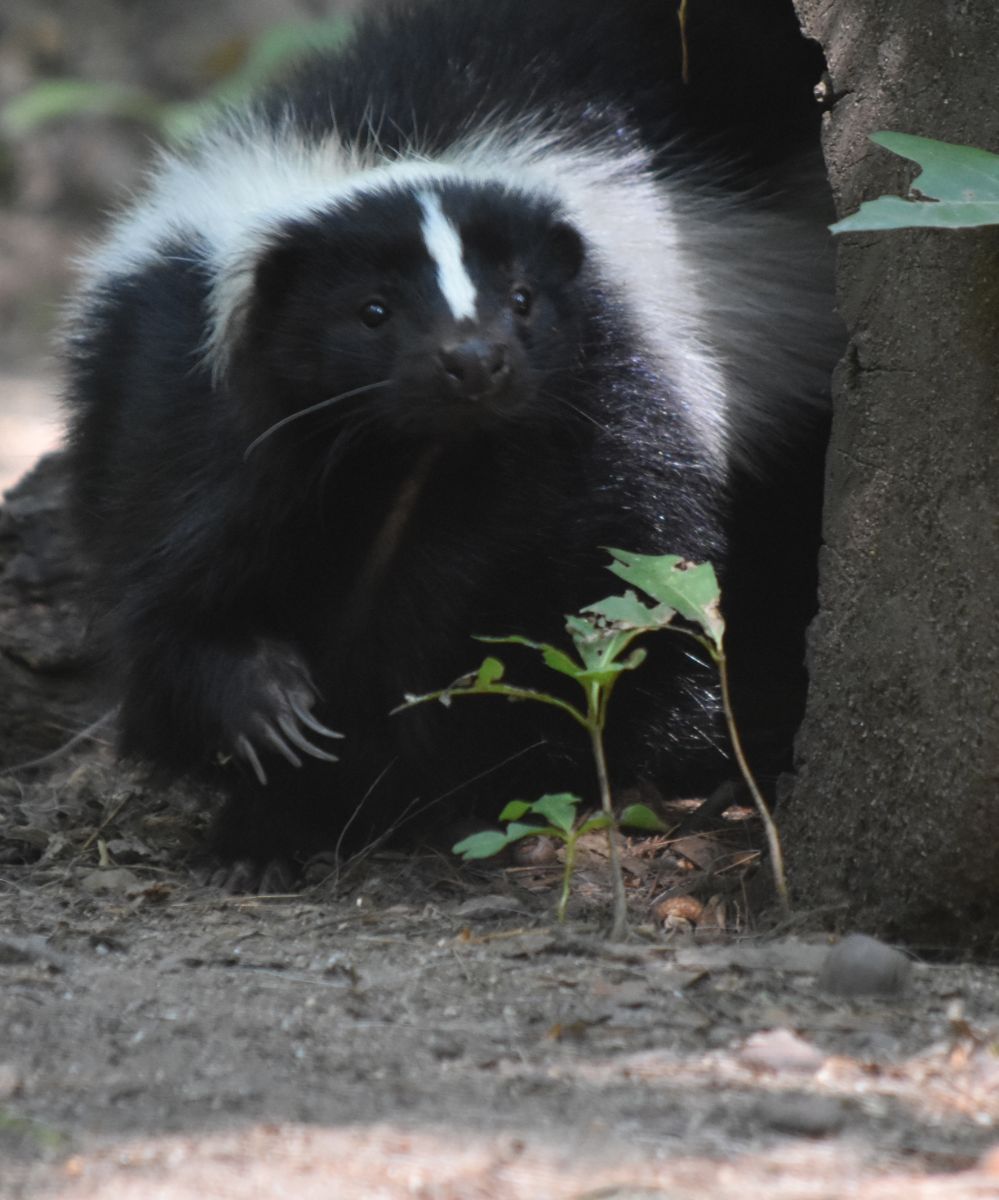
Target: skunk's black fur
{"type": "Point", "coordinates": [566, 300]}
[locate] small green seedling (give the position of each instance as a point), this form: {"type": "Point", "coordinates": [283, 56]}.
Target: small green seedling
{"type": "Point", "coordinates": [692, 591]}
{"type": "Point", "coordinates": [602, 636]}
{"type": "Point", "coordinates": [957, 188]}
{"type": "Point", "coordinates": [559, 811]}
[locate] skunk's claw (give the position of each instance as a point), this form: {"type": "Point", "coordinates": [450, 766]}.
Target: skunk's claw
{"type": "Point", "coordinates": [244, 750]}
{"type": "Point", "coordinates": [270, 711]}
{"type": "Point", "coordinates": [302, 712]}
{"type": "Point", "coordinates": [295, 735]}
{"type": "Point", "coordinates": [277, 743]}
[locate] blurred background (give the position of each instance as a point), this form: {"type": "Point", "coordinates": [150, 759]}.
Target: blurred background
{"type": "Point", "coordinates": [88, 90]}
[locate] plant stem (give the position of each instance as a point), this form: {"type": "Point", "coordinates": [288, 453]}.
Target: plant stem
{"type": "Point", "coordinates": [619, 928]}
{"type": "Point", "coordinates": [773, 837]}
{"type": "Point", "coordinates": [570, 864]}
{"type": "Point", "coordinates": [495, 689]}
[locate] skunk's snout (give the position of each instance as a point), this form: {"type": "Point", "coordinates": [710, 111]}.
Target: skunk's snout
{"type": "Point", "coordinates": [475, 369]}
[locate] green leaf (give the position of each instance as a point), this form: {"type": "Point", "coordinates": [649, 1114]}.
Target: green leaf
{"type": "Point", "coordinates": [558, 660]}
{"type": "Point", "coordinates": [515, 810]}
{"type": "Point", "coordinates": [489, 673]}
{"type": "Point", "coordinates": [639, 816]}
{"type": "Point", "coordinates": [510, 639]}
{"type": "Point", "coordinates": [634, 659]}
{"type": "Point", "coordinates": [593, 644]}
{"type": "Point", "coordinates": [520, 829]}
{"type": "Point", "coordinates": [606, 677]}
{"type": "Point", "coordinates": [597, 645]}
{"type": "Point", "coordinates": [481, 845]}
{"type": "Point", "coordinates": [892, 212]}
{"type": "Point", "coordinates": [60, 98]}
{"type": "Point", "coordinates": [949, 171]}
{"type": "Point", "coordinates": [961, 182]}
{"type": "Point", "coordinates": [558, 808]}
{"type": "Point", "coordinates": [555, 658]}
{"type": "Point", "coordinates": [690, 588]}
{"type": "Point", "coordinates": [628, 611]}
{"type": "Point", "coordinates": [483, 681]}
{"type": "Point", "coordinates": [600, 821]}
{"type": "Point", "coordinates": [586, 630]}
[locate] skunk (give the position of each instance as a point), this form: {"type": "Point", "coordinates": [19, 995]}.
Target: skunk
{"type": "Point", "coordinates": [387, 359]}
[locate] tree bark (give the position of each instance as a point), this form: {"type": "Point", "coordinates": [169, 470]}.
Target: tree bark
{"type": "Point", "coordinates": [891, 819]}
{"type": "Point", "coordinates": [47, 677]}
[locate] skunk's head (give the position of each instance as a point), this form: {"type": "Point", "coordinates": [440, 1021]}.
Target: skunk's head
{"type": "Point", "coordinates": [455, 306]}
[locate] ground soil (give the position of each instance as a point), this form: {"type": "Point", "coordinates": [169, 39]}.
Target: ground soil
{"type": "Point", "coordinates": [408, 1027]}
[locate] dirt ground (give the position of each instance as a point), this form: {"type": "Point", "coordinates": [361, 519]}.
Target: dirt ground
{"type": "Point", "coordinates": [410, 1027]}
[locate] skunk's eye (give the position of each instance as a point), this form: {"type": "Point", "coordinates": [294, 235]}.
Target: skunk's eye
{"type": "Point", "coordinates": [374, 313]}
{"type": "Point", "coordinates": [520, 301]}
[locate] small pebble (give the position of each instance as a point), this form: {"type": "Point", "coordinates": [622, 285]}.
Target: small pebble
{"type": "Point", "coordinates": [862, 966]}
{"type": "Point", "coordinates": [489, 908]}
{"type": "Point", "coordinates": [781, 1050]}
{"type": "Point", "coordinates": [111, 881]}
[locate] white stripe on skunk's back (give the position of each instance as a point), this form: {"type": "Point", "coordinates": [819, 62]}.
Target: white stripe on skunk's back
{"type": "Point", "coordinates": [444, 247]}
{"type": "Point", "coordinates": [231, 193]}
{"type": "Point", "coordinates": [679, 260]}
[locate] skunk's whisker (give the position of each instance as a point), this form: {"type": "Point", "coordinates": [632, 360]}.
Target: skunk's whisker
{"type": "Point", "coordinates": [313, 408]}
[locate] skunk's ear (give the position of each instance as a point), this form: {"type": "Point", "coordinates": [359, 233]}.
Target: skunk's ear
{"type": "Point", "coordinates": [564, 251]}
{"type": "Point", "coordinates": [252, 290]}
{"type": "Point", "coordinates": [278, 267]}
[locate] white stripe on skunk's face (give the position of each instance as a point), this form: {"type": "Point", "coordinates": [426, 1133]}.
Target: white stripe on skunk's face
{"type": "Point", "coordinates": [444, 246]}
{"type": "Point", "coordinates": [451, 312]}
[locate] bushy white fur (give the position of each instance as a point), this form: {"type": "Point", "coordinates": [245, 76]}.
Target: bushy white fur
{"type": "Point", "coordinates": [716, 290]}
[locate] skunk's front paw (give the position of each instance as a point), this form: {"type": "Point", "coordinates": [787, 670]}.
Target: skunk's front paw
{"type": "Point", "coordinates": [269, 710]}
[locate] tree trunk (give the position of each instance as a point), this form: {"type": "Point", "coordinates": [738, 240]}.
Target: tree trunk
{"type": "Point", "coordinates": [892, 816]}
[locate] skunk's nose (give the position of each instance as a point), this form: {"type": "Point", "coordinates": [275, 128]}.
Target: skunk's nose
{"type": "Point", "coordinates": [475, 367]}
